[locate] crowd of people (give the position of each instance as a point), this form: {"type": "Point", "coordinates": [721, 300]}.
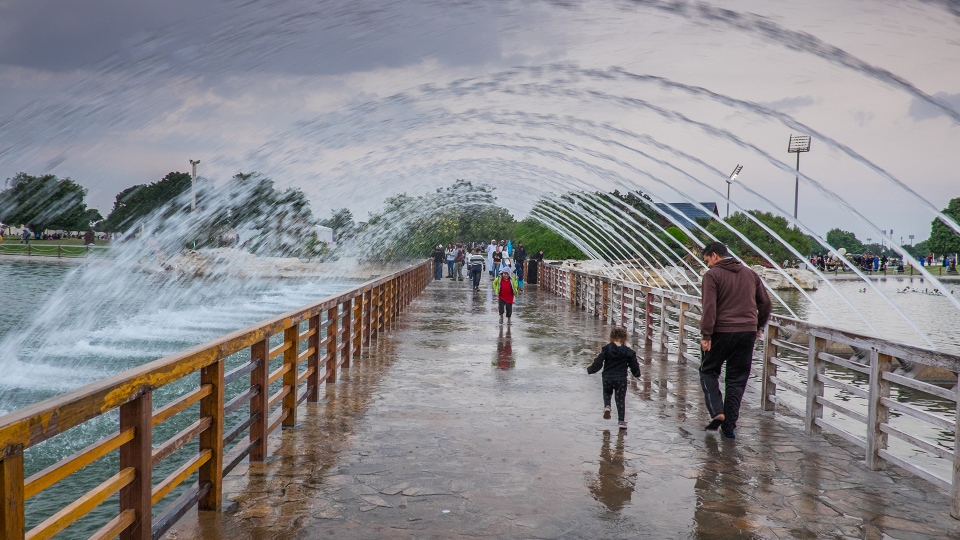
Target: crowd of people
{"type": "Point", "coordinates": [503, 262]}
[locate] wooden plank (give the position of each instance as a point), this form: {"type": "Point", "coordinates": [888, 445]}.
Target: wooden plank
{"type": "Point", "coordinates": [278, 396]}
{"type": "Point", "coordinates": [920, 414]}
{"type": "Point", "coordinates": [918, 442]}
{"type": "Point", "coordinates": [917, 470]}
{"type": "Point", "coordinates": [178, 405]}
{"type": "Point", "coordinates": [799, 349]}
{"type": "Point", "coordinates": [178, 476]}
{"type": "Point", "coordinates": [234, 375]}
{"type": "Point", "coordinates": [279, 372]}
{"type": "Point", "coordinates": [849, 437]}
{"type": "Point", "coordinates": [280, 349]}
{"type": "Point", "coordinates": [306, 375]}
{"type": "Point", "coordinates": [11, 484]}
{"type": "Point", "coordinates": [779, 362]}
{"type": "Point", "coordinates": [137, 455]}
{"type": "Point", "coordinates": [82, 506]}
{"type": "Point", "coordinates": [921, 386]}
{"type": "Point", "coordinates": [789, 386]}
{"type": "Point", "coordinates": [855, 390]}
{"type": "Point", "coordinates": [853, 366]}
{"type": "Point", "coordinates": [236, 430]}
{"type": "Point", "coordinates": [239, 400]}
{"type": "Point", "coordinates": [73, 463]}
{"type": "Point", "coordinates": [179, 508]}
{"type": "Point", "coordinates": [841, 409]}
{"type": "Point", "coordinates": [305, 355]}
{"type": "Point", "coordinates": [179, 440]}
{"type": "Point", "coordinates": [211, 438]}
{"type": "Point", "coordinates": [115, 526]}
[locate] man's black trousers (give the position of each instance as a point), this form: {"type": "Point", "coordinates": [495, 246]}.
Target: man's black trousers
{"type": "Point", "coordinates": [735, 349]}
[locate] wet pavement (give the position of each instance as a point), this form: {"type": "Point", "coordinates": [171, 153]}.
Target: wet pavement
{"type": "Point", "coordinates": [453, 426]}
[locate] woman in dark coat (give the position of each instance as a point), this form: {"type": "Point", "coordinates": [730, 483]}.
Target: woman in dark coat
{"type": "Point", "coordinates": [533, 267]}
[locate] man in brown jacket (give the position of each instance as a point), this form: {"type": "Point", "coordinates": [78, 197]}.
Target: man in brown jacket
{"type": "Point", "coordinates": [736, 307]}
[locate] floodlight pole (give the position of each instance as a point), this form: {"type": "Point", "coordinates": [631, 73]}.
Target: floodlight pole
{"type": "Point", "coordinates": [797, 144]}
{"type": "Point", "coordinates": [733, 176]}
{"type": "Point", "coordinates": [193, 185]}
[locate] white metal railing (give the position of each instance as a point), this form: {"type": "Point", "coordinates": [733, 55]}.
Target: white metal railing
{"type": "Point", "coordinates": [792, 354]}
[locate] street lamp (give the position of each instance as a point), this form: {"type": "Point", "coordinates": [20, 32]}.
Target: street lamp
{"type": "Point", "coordinates": [733, 176]}
{"type": "Point", "coordinates": [193, 186]}
{"type": "Point", "coordinates": [910, 236]}
{"type": "Point", "coordinates": [797, 144]}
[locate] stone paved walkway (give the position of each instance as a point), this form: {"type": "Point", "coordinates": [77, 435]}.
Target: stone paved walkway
{"type": "Point", "coordinates": [455, 427]}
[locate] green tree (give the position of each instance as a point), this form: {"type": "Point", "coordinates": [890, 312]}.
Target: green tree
{"type": "Point", "coordinates": [137, 202]}
{"type": "Point", "coordinates": [341, 221]}
{"type": "Point", "coordinates": [761, 238]}
{"type": "Point", "coordinates": [44, 202]}
{"type": "Point", "coordinates": [839, 238]}
{"type": "Point", "coordinates": [943, 239]}
{"type": "Point", "coordinates": [536, 236]}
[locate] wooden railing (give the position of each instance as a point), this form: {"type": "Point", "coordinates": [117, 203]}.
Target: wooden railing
{"type": "Point", "coordinates": [271, 382]}
{"type": "Point", "coordinates": [859, 389]}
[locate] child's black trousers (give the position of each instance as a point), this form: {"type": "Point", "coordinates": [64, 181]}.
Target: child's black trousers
{"type": "Point", "coordinates": [617, 388]}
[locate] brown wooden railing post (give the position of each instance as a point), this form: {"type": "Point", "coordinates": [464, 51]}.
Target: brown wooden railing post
{"type": "Point", "coordinates": [313, 361]}
{"type": "Point", "coordinates": [211, 438]}
{"type": "Point", "coordinates": [138, 454]}
{"type": "Point", "coordinates": [877, 412]}
{"type": "Point", "coordinates": [357, 332]}
{"type": "Point", "coordinates": [291, 338]}
{"type": "Point", "coordinates": [815, 371]}
{"type": "Point", "coordinates": [331, 355]}
{"type": "Point", "coordinates": [11, 486]}
{"type": "Point", "coordinates": [258, 404]}
{"type": "Point", "coordinates": [367, 316]}
{"type": "Point", "coordinates": [768, 388]}
{"type": "Point", "coordinates": [346, 345]}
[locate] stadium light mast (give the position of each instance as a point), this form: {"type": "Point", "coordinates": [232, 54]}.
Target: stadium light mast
{"type": "Point", "coordinates": [733, 176]}
{"type": "Point", "coordinates": [797, 145]}
{"type": "Point", "coordinates": [193, 185]}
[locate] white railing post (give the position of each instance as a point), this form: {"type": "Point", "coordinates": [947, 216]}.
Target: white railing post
{"type": "Point", "coordinates": [664, 324]}
{"type": "Point", "coordinates": [815, 369]}
{"type": "Point", "coordinates": [768, 388]}
{"type": "Point", "coordinates": [877, 412]}
{"type": "Point", "coordinates": [955, 488]}
{"type": "Point", "coordinates": [682, 333]}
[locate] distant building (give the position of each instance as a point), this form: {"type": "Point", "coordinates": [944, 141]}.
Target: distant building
{"type": "Point", "coordinates": [686, 213]}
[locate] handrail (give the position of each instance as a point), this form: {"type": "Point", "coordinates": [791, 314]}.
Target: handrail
{"type": "Point", "coordinates": [663, 317]}
{"type": "Point", "coordinates": [355, 317]}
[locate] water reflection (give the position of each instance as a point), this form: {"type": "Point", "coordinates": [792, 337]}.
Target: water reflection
{"type": "Point", "coordinates": [721, 511]}
{"type": "Point", "coordinates": [504, 358]}
{"type": "Point", "coordinates": [615, 479]}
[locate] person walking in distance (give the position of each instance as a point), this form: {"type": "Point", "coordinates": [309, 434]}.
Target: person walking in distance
{"type": "Point", "coordinates": [458, 259]}
{"type": "Point", "coordinates": [736, 308]}
{"type": "Point", "coordinates": [476, 268]}
{"type": "Point", "coordinates": [438, 256]}
{"type": "Point", "coordinates": [506, 288]}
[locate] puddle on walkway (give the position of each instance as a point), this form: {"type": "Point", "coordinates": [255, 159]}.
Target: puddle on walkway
{"type": "Point", "coordinates": [495, 431]}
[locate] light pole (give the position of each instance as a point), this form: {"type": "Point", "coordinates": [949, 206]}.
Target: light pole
{"type": "Point", "coordinates": [797, 144]}
{"type": "Point", "coordinates": [910, 236]}
{"type": "Point", "coordinates": [733, 176]}
{"type": "Point", "coordinates": [193, 186]}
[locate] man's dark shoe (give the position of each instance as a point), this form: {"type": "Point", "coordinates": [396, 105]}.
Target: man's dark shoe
{"type": "Point", "coordinates": [714, 424]}
{"type": "Point", "coordinates": [728, 433]}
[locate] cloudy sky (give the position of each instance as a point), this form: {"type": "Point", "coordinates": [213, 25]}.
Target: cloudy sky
{"type": "Point", "coordinates": [356, 100]}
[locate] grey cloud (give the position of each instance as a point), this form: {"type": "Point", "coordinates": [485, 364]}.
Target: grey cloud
{"type": "Point", "coordinates": [210, 37]}
{"type": "Point", "coordinates": [921, 110]}
{"type": "Point", "coordinates": [790, 104]}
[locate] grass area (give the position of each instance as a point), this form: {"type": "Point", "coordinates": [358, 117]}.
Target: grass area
{"type": "Point", "coordinates": [14, 239]}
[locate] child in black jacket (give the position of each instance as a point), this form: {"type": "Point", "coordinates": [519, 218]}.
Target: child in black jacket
{"type": "Point", "coordinates": [615, 358]}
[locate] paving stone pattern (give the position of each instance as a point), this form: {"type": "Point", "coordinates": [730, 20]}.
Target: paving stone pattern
{"type": "Point", "coordinates": [452, 426]}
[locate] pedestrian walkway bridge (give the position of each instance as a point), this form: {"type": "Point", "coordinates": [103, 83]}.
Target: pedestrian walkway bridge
{"type": "Point", "coordinates": [410, 413]}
